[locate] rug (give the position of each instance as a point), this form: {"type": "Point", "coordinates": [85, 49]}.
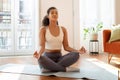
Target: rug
{"type": "Point", "coordinates": [92, 74]}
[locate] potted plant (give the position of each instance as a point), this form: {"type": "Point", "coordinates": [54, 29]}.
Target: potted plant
{"type": "Point", "coordinates": [93, 31]}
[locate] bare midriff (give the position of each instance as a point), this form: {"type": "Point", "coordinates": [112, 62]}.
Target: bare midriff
{"type": "Point", "coordinates": [48, 50]}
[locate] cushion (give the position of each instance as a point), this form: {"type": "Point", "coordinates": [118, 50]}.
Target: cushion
{"type": "Point", "coordinates": [115, 35]}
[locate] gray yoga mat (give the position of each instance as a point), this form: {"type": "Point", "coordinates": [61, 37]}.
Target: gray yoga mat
{"type": "Point", "coordinates": [97, 73]}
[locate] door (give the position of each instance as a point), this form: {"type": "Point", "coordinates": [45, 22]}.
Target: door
{"type": "Point", "coordinates": [17, 27]}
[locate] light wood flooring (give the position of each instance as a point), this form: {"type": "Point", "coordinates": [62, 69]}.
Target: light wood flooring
{"type": "Point", "coordinates": [30, 60]}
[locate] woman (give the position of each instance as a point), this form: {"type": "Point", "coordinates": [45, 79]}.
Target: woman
{"type": "Point", "coordinates": [52, 37]}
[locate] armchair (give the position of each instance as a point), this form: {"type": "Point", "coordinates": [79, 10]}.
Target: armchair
{"type": "Point", "coordinates": [111, 48]}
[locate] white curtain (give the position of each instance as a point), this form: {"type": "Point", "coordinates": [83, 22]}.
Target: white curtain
{"type": "Point", "coordinates": [92, 12]}
{"type": "Point", "coordinates": [95, 11]}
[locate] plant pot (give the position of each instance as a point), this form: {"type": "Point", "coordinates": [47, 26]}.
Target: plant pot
{"type": "Point", "coordinates": [94, 36]}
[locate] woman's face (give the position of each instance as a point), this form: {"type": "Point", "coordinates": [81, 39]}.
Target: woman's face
{"type": "Point", "coordinates": [53, 15]}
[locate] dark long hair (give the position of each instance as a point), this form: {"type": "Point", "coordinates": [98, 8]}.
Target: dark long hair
{"type": "Point", "coordinates": [45, 21]}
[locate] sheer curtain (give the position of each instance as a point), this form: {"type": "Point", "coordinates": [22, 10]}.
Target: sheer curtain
{"type": "Point", "coordinates": [92, 12]}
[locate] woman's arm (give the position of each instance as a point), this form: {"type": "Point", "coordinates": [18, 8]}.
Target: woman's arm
{"type": "Point", "coordinates": [65, 42]}
{"type": "Point", "coordinates": [66, 45]}
{"type": "Point", "coordinates": [41, 43]}
{"type": "Point", "coordinates": [42, 40]}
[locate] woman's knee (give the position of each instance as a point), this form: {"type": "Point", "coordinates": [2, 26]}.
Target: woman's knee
{"type": "Point", "coordinates": [75, 55]}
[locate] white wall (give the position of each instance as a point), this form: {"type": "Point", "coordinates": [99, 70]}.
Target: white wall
{"type": "Point", "coordinates": [117, 12]}
{"type": "Point", "coordinates": [77, 36]}
{"type": "Point", "coordinates": [65, 11]}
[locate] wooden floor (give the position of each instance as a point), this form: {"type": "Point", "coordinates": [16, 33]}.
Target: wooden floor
{"type": "Point", "coordinates": [30, 60]}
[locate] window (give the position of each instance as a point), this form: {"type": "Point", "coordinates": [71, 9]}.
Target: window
{"type": "Point", "coordinates": [17, 26]}
{"type": "Point", "coordinates": [94, 11]}
{"type": "Point", "coordinates": [91, 13]}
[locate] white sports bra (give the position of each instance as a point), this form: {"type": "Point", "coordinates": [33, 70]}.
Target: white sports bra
{"type": "Point", "coordinates": [53, 42]}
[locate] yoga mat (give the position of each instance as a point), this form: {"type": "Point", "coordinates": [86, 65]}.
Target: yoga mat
{"type": "Point", "coordinates": [96, 74]}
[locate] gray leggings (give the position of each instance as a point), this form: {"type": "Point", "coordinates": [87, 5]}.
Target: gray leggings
{"type": "Point", "coordinates": [57, 62]}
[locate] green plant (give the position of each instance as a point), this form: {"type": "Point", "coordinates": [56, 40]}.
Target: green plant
{"type": "Point", "coordinates": [95, 29]}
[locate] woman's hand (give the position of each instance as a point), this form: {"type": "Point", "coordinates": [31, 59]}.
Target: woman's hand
{"type": "Point", "coordinates": [36, 55]}
{"type": "Point", "coordinates": [82, 50]}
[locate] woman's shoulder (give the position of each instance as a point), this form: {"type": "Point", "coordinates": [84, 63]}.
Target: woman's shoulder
{"type": "Point", "coordinates": [42, 29]}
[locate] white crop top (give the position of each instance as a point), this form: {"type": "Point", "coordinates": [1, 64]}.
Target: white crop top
{"type": "Point", "coordinates": [53, 42]}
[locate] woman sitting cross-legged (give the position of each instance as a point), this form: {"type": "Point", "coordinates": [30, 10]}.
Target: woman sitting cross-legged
{"type": "Point", "coordinates": [52, 38]}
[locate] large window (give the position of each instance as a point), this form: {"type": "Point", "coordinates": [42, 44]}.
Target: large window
{"type": "Point", "coordinates": [17, 26]}
{"type": "Point", "coordinates": [94, 11]}
{"type": "Point", "coordinates": [91, 13]}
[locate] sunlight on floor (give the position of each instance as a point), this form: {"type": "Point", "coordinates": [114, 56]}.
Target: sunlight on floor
{"type": "Point", "coordinates": [116, 60]}
{"type": "Point", "coordinates": [7, 76]}
{"type": "Point", "coordinates": [17, 68]}
{"type": "Point", "coordinates": [11, 76]}
{"type": "Point", "coordinates": [105, 66]}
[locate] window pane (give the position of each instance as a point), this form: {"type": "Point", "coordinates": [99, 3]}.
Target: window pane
{"type": "Point", "coordinates": [17, 22]}
{"type": "Point", "coordinates": [5, 24]}
{"type": "Point", "coordinates": [25, 25]}
{"type": "Point", "coordinates": [89, 12]}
